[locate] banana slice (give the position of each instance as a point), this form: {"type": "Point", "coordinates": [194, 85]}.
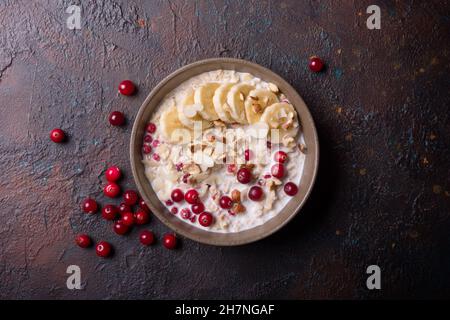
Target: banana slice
{"type": "Point", "coordinates": [171, 127]}
{"type": "Point", "coordinates": [220, 102]}
{"type": "Point", "coordinates": [189, 111]}
{"type": "Point", "coordinates": [282, 121]}
{"type": "Point", "coordinates": [204, 95]}
{"type": "Point", "coordinates": [235, 98]}
{"type": "Point", "coordinates": [255, 103]}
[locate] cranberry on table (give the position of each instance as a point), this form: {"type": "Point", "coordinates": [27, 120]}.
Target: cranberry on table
{"type": "Point", "coordinates": [151, 128]}
{"type": "Point", "coordinates": [123, 207]}
{"type": "Point", "coordinates": [110, 212]}
{"type": "Point", "coordinates": [174, 210]}
{"type": "Point", "coordinates": [146, 237]}
{"type": "Point", "coordinates": [57, 135]}
{"type": "Point", "coordinates": [280, 156]}
{"type": "Point", "coordinates": [111, 190]}
{"type": "Point", "coordinates": [255, 193]}
{"type": "Point", "coordinates": [127, 219]}
{"type": "Point", "coordinates": [103, 249]}
{"type": "Point", "coordinates": [225, 202]}
{"type": "Point", "coordinates": [185, 213]}
{"type": "Point", "coordinates": [248, 154]}
{"type": "Point", "coordinates": [277, 171]}
{"type": "Point", "coordinates": [191, 196]}
{"type": "Point", "coordinates": [143, 205]}
{"type": "Point", "coordinates": [290, 189]}
{"type": "Point", "coordinates": [83, 240]}
{"type": "Point", "coordinates": [116, 118]}
{"type": "Point", "coordinates": [170, 241]}
{"type": "Point", "coordinates": [205, 219]}
{"type": "Point", "coordinates": [113, 174]}
{"type": "Point", "coordinates": [130, 197]}
{"type": "Point", "coordinates": [244, 175]}
{"type": "Point", "coordinates": [198, 208]}
{"type": "Point", "coordinates": [89, 205]}
{"type": "Point", "coordinates": [316, 64]}
{"type": "Point", "coordinates": [120, 228]}
{"type": "Point", "coordinates": [141, 217]}
{"type": "Point", "coordinates": [146, 149]}
{"type": "Point", "coordinates": [177, 195]}
{"type": "Point", "coordinates": [127, 88]}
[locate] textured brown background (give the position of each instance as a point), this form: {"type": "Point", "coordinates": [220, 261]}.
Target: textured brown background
{"type": "Point", "coordinates": [381, 109]}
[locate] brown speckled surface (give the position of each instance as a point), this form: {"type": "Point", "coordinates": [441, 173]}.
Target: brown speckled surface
{"type": "Point", "coordinates": [381, 109]}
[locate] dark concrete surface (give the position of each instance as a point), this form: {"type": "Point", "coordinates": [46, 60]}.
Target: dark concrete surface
{"type": "Point", "coordinates": [381, 109]}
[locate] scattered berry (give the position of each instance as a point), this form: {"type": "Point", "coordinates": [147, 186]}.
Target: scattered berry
{"type": "Point", "coordinates": [143, 205]}
{"type": "Point", "coordinates": [127, 88]}
{"type": "Point", "coordinates": [280, 156]}
{"type": "Point", "coordinates": [169, 241]}
{"type": "Point", "coordinates": [193, 219]}
{"type": "Point", "coordinates": [120, 228]}
{"type": "Point", "coordinates": [185, 213]}
{"type": "Point", "coordinates": [255, 193]}
{"type": "Point", "coordinates": [244, 175]}
{"type": "Point", "coordinates": [156, 157]}
{"type": "Point", "coordinates": [57, 135]}
{"type": "Point", "coordinates": [185, 178]}
{"type": "Point", "coordinates": [191, 196]}
{"type": "Point", "coordinates": [277, 171]}
{"type": "Point", "coordinates": [141, 217]}
{"type": "Point", "coordinates": [155, 143]}
{"type": "Point", "coordinates": [123, 207]}
{"type": "Point", "coordinates": [146, 149]}
{"type": "Point", "coordinates": [177, 195]}
{"type": "Point", "coordinates": [110, 212]}
{"type": "Point", "coordinates": [225, 202]}
{"type": "Point", "coordinates": [198, 208]}
{"type": "Point", "coordinates": [316, 64]}
{"type": "Point", "coordinates": [111, 190]}
{"type": "Point", "coordinates": [179, 166]}
{"type": "Point", "coordinates": [103, 249]}
{"type": "Point", "coordinates": [130, 197]}
{"type": "Point", "coordinates": [127, 219]}
{"type": "Point", "coordinates": [83, 240]}
{"type": "Point", "coordinates": [290, 189]}
{"type": "Point", "coordinates": [146, 237]}
{"type": "Point", "coordinates": [151, 128]}
{"type": "Point", "coordinates": [205, 219]}
{"type": "Point", "coordinates": [89, 206]}
{"type": "Point", "coordinates": [148, 138]}
{"type": "Point", "coordinates": [174, 210]}
{"type": "Point", "coordinates": [116, 118]}
{"type": "Point", "coordinates": [113, 174]}
{"type": "Point", "coordinates": [169, 203]}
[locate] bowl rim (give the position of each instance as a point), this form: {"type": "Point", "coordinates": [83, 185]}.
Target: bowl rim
{"type": "Point", "coordinates": [135, 159]}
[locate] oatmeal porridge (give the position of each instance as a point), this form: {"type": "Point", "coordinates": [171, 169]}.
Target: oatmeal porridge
{"type": "Point", "coordinates": [224, 151]}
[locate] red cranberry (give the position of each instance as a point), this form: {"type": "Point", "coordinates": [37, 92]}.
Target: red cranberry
{"type": "Point", "coordinates": [146, 149]}
{"type": "Point", "coordinates": [179, 166]}
{"type": "Point", "coordinates": [169, 203]}
{"type": "Point", "coordinates": [89, 206]}
{"type": "Point", "coordinates": [83, 240]}
{"type": "Point", "coordinates": [277, 171]}
{"type": "Point", "coordinates": [169, 241]}
{"type": "Point", "coordinates": [244, 175]}
{"type": "Point", "coordinates": [146, 237]}
{"type": "Point", "coordinates": [280, 156]}
{"type": "Point", "coordinates": [185, 213]}
{"type": "Point", "coordinates": [130, 197]}
{"type": "Point", "coordinates": [148, 138]}
{"type": "Point", "coordinates": [231, 168]}
{"type": "Point", "coordinates": [124, 208]}
{"type": "Point", "coordinates": [141, 217]}
{"type": "Point", "coordinates": [198, 208]}
{"type": "Point", "coordinates": [174, 210]}
{"type": "Point", "coordinates": [113, 174]}
{"type": "Point", "coordinates": [177, 195]}
{"type": "Point", "coordinates": [193, 219]}
{"type": "Point", "coordinates": [191, 196]}
{"type": "Point", "coordinates": [111, 190]}
{"type": "Point", "coordinates": [151, 128]}
{"type": "Point", "coordinates": [127, 219]}
{"type": "Point", "coordinates": [231, 213]}
{"type": "Point", "coordinates": [316, 64]}
{"type": "Point", "coordinates": [57, 135]}
{"type": "Point", "coordinates": [120, 228]}
{"type": "Point", "coordinates": [255, 193]}
{"type": "Point", "coordinates": [156, 157]}
{"type": "Point", "coordinates": [116, 118]}
{"type": "Point", "coordinates": [205, 219]}
{"type": "Point", "coordinates": [127, 88]}
{"type": "Point", "coordinates": [143, 205]}
{"type": "Point", "coordinates": [155, 143]}
{"type": "Point", "coordinates": [110, 212]}
{"type": "Point", "coordinates": [225, 202]}
{"type": "Point", "coordinates": [103, 249]}
{"type": "Point", "coordinates": [248, 154]}
{"type": "Point", "coordinates": [185, 178]}
{"type": "Point", "coordinates": [291, 189]}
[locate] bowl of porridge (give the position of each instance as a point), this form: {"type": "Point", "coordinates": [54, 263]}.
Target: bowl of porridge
{"type": "Point", "coordinates": [224, 151]}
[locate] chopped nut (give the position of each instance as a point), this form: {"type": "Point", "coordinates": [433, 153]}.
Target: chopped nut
{"type": "Point", "coordinates": [238, 208]}
{"type": "Point", "coordinates": [191, 168]}
{"type": "Point", "coordinates": [257, 108]}
{"type": "Point", "coordinates": [219, 123]}
{"type": "Point", "coordinates": [236, 195]}
{"type": "Point", "coordinates": [302, 148]}
{"type": "Point", "coordinates": [287, 125]}
{"type": "Point", "coordinates": [273, 87]}
{"type": "Point", "coordinates": [254, 98]}
{"type": "Point", "coordinates": [241, 96]}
